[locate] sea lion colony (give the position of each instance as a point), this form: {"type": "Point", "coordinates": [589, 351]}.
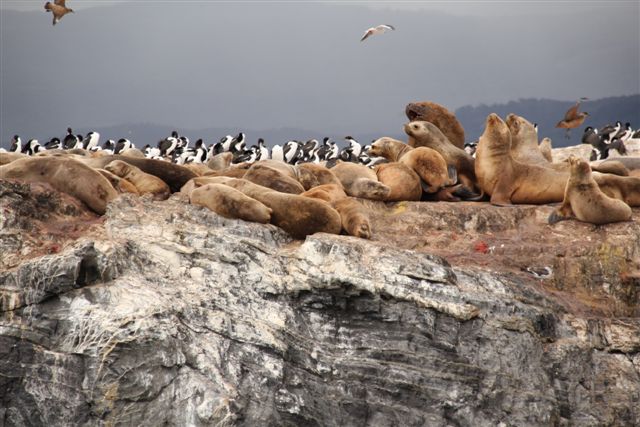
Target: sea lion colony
{"type": "Point", "coordinates": [305, 197]}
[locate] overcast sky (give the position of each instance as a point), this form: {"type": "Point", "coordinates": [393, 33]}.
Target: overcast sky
{"type": "Point", "coordinates": [265, 64]}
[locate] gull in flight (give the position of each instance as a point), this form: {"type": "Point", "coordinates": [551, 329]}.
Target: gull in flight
{"type": "Point", "coordinates": [376, 30]}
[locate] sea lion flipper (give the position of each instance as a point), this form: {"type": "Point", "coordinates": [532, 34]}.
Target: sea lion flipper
{"type": "Point", "coordinates": [501, 193]}
{"type": "Point", "coordinates": [453, 174]}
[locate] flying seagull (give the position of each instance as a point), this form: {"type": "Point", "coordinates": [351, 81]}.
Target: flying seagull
{"type": "Point", "coordinates": [376, 30]}
{"type": "Point", "coordinates": [572, 119]}
{"type": "Point", "coordinates": [58, 9]}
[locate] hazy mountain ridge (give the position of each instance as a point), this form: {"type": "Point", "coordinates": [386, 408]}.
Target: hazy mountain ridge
{"type": "Point", "coordinates": [548, 112]}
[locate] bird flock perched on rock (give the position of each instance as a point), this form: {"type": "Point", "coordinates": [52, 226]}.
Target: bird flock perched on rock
{"type": "Point", "coordinates": [178, 149]}
{"type": "Point", "coordinates": [609, 137]}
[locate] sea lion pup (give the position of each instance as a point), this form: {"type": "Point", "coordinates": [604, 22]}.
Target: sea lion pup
{"type": "Point", "coordinates": [442, 118]}
{"type": "Point", "coordinates": [426, 162]}
{"type": "Point", "coordinates": [311, 175]}
{"type": "Point", "coordinates": [144, 182]}
{"type": "Point", "coordinates": [401, 179]}
{"type": "Point", "coordinates": [220, 161]}
{"type": "Point", "coordinates": [120, 184]}
{"type": "Point", "coordinates": [230, 203]}
{"type": "Point", "coordinates": [297, 215]}
{"type": "Point", "coordinates": [546, 149]}
{"type": "Point", "coordinates": [507, 180]}
{"type": "Point", "coordinates": [360, 181]}
{"type": "Point", "coordinates": [266, 176]}
{"type": "Point", "coordinates": [65, 175]}
{"type": "Point", "coordinates": [174, 175]}
{"type": "Point", "coordinates": [584, 199]}
{"type": "Point", "coordinates": [355, 218]}
{"type": "Point", "coordinates": [425, 134]}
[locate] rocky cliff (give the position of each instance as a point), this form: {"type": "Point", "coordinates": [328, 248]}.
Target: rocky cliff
{"type": "Point", "coordinates": [454, 314]}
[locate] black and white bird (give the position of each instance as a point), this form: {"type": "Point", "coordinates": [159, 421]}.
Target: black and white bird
{"type": "Point", "coordinates": [168, 145]}
{"type": "Point", "coordinates": [70, 140]}
{"type": "Point", "coordinates": [121, 145]}
{"type": "Point", "coordinates": [109, 146]}
{"type": "Point", "coordinates": [31, 147]}
{"type": "Point", "coordinates": [291, 151]}
{"type": "Point", "coordinates": [91, 141]}
{"type": "Point", "coordinates": [237, 144]}
{"type": "Point", "coordinates": [198, 154]}
{"type": "Point", "coordinates": [277, 153]}
{"type": "Point", "coordinates": [246, 156]}
{"type": "Point", "coordinates": [151, 152]}
{"type": "Point", "coordinates": [53, 144]}
{"type": "Point", "coordinates": [263, 150]}
{"type": "Point", "coordinates": [373, 31]}
{"type": "Point", "coordinates": [611, 130]}
{"type": "Point", "coordinates": [16, 144]}
{"type": "Point", "coordinates": [356, 148]}
{"type": "Point", "coordinates": [470, 147]}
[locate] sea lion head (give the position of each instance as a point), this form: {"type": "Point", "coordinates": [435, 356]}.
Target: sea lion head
{"type": "Point", "coordinates": [415, 110]}
{"type": "Point", "coordinates": [496, 134]}
{"type": "Point", "coordinates": [380, 147]}
{"type": "Point", "coordinates": [416, 128]}
{"type": "Point", "coordinates": [578, 166]}
{"type": "Point", "coordinates": [520, 127]}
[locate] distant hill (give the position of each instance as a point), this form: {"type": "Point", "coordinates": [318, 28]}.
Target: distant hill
{"type": "Point", "coordinates": [547, 112]}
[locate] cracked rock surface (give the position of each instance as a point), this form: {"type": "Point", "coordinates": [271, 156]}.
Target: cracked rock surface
{"type": "Point", "coordinates": [163, 313]}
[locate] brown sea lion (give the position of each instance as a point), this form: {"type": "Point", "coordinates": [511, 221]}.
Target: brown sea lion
{"type": "Point", "coordinates": [524, 141]}
{"type": "Point", "coordinates": [360, 181]}
{"type": "Point", "coordinates": [442, 118]}
{"type": "Point", "coordinates": [6, 158]}
{"type": "Point", "coordinates": [297, 215]}
{"type": "Point", "coordinates": [546, 149]}
{"type": "Point", "coordinates": [426, 162]}
{"type": "Point", "coordinates": [507, 180]}
{"type": "Point", "coordinates": [65, 175]}
{"type": "Point", "coordinates": [120, 184]}
{"type": "Point", "coordinates": [174, 175]}
{"type": "Point", "coordinates": [132, 152]}
{"type": "Point", "coordinates": [311, 175]}
{"type": "Point", "coordinates": [425, 134]}
{"type": "Point", "coordinates": [230, 203]}
{"type": "Point", "coordinates": [266, 176]}
{"type": "Point", "coordinates": [144, 182]}
{"type": "Point", "coordinates": [403, 182]}
{"type": "Point", "coordinates": [584, 200]}
{"type": "Point", "coordinates": [198, 168]}
{"type": "Point", "coordinates": [355, 217]}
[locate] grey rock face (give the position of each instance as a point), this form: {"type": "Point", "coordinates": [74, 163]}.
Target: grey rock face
{"type": "Point", "coordinates": [172, 315]}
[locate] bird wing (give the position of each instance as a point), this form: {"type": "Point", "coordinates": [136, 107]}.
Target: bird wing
{"type": "Point", "coordinates": [386, 27]}
{"type": "Point", "coordinates": [366, 34]}
{"type": "Point", "coordinates": [60, 2]}
{"type": "Point", "coordinates": [572, 113]}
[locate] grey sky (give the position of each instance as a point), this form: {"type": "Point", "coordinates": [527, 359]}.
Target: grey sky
{"type": "Point", "coordinates": [261, 65]}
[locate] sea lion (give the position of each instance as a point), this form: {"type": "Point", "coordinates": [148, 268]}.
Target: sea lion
{"type": "Point", "coordinates": [442, 118]}
{"type": "Point", "coordinates": [66, 175]}
{"type": "Point", "coordinates": [132, 152]}
{"type": "Point", "coordinates": [266, 176]}
{"type": "Point", "coordinates": [631, 163]}
{"type": "Point", "coordinates": [174, 175]}
{"type": "Point", "coordinates": [220, 161]}
{"type": "Point", "coordinates": [403, 182]}
{"type": "Point", "coordinates": [524, 141]}
{"type": "Point", "coordinates": [425, 134]}
{"type": "Point", "coordinates": [297, 215]}
{"type": "Point", "coordinates": [546, 149]}
{"type": "Point", "coordinates": [426, 162]}
{"type": "Point", "coordinates": [613, 167]}
{"type": "Point", "coordinates": [230, 203]}
{"type": "Point", "coordinates": [360, 181]}
{"type": "Point", "coordinates": [355, 218]}
{"type": "Point", "coordinates": [230, 172]}
{"type": "Point", "coordinates": [120, 184]}
{"type": "Point", "coordinates": [507, 180]}
{"type": "Point", "coordinates": [144, 182]}
{"type": "Point", "coordinates": [584, 199]}
{"type": "Point", "coordinates": [311, 175]}
{"type": "Point", "coordinates": [198, 168]}
{"type": "Point", "coordinates": [8, 157]}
